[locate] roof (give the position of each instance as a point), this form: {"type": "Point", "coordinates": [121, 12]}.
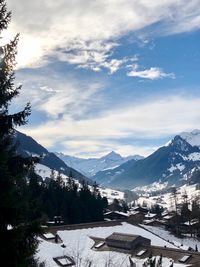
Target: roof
{"type": "Point", "coordinates": [192, 222]}
{"type": "Point", "coordinates": [122, 237]}
{"type": "Point", "coordinates": [49, 235]}
{"type": "Point", "coordinates": [133, 213]}
{"type": "Point", "coordinates": [150, 215]}
{"type": "Point", "coordinates": [168, 217]}
{"type": "Point", "coordinates": [148, 221]}
{"type": "Point", "coordinates": [116, 212]}
{"type": "Point", "coordinates": [140, 209]}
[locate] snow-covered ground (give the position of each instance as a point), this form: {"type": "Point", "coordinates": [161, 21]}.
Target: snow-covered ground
{"type": "Point", "coordinates": [78, 245]}
{"type": "Point", "coordinates": [185, 242]}
{"type": "Point", "coordinates": [166, 200]}
{"type": "Point", "coordinates": [45, 172]}
{"type": "Point", "coordinates": [154, 187]}
{"type": "Point", "coordinates": [111, 194]}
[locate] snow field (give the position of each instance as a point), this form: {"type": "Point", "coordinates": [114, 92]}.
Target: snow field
{"type": "Point", "coordinates": [78, 245]}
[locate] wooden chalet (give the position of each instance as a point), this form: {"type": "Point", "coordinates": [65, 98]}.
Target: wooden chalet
{"type": "Point", "coordinates": [141, 209]}
{"type": "Point", "coordinates": [116, 215]}
{"type": "Point", "coordinates": [126, 241]}
{"type": "Point", "coordinates": [136, 217]}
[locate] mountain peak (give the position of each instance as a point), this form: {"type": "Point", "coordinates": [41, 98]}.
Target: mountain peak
{"type": "Point", "coordinates": [193, 138]}
{"type": "Point", "coordinates": [112, 155]}
{"type": "Point", "coordinates": [180, 143]}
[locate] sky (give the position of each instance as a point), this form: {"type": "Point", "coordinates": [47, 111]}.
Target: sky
{"type": "Point", "coordinates": [107, 74]}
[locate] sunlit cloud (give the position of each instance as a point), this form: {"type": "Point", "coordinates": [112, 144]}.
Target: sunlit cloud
{"type": "Point", "coordinates": [47, 26]}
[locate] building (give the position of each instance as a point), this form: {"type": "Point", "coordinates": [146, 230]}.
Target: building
{"type": "Point", "coordinates": [126, 241]}
{"type": "Point", "coordinates": [116, 215]}
{"type": "Point", "coordinates": [136, 217]}
{"type": "Point", "coordinates": [141, 209]}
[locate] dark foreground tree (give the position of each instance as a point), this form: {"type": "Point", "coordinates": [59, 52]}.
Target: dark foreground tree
{"type": "Point", "coordinates": [17, 233]}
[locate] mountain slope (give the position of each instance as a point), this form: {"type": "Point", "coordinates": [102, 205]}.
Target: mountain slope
{"type": "Point", "coordinates": [91, 166]}
{"type": "Point", "coordinates": [171, 163]}
{"type": "Point", "coordinates": [27, 146]}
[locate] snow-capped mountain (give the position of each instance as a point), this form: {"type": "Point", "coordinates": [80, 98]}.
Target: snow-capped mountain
{"type": "Point", "coordinates": [91, 166]}
{"type": "Point", "coordinates": [27, 146]}
{"type": "Point", "coordinates": [173, 163]}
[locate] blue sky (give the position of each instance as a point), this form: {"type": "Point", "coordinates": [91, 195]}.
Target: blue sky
{"type": "Point", "coordinates": [108, 75]}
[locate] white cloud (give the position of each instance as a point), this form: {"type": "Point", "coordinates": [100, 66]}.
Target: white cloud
{"type": "Point", "coordinates": [92, 55]}
{"type": "Point", "coordinates": [56, 95]}
{"type": "Point", "coordinates": [47, 26]}
{"type": "Point", "coordinates": [152, 119]}
{"type": "Point", "coordinates": [153, 73]}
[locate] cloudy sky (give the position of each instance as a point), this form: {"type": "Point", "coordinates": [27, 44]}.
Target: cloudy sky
{"type": "Point", "coordinates": [108, 74]}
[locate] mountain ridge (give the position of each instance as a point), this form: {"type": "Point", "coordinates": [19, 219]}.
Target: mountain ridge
{"type": "Point", "coordinates": [27, 146]}
{"type": "Point", "coordinates": [91, 166]}
{"type": "Point", "coordinates": [172, 163]}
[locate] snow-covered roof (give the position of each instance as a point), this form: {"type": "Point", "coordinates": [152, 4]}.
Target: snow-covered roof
{"type": "Point", "coordinates": [150, 215]}
{"type": "Point", "coordinates": [168, 217]}
{"type": "Point", "coordinates": [192, 222]}
{"type": "Point", "coordinates": [78, 242]}
{"type": "Point", "coordinates": [117, 212]}
{"type": "Point", "coordinates": [48, 235]}
{"type": "Point", "coordinates": [148, 221]}
{"type": "Point", "coordinates": [184, 258]}
{"type": "Point", "coordinates": [141, 252]}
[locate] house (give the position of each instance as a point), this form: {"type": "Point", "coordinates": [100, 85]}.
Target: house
{"type": "Point", "coordinates": [154, 222]}
{"type": "Point", "coordinates": [58, 220]}
{"type": "Point", "coordinates": [141, 209]}
{"type": "Point", "coordinates": [191, 227]}
{"type": "Point", "coordinates": [126, 241]}
{"type": "Point", "coordinates": [116, 215]}
{"type": "Point", "coordinates": [150, 216]}
{"type": "Point", "coordinates": [136, 217]}
{"type": "Point", "coordinates": [170, 219]}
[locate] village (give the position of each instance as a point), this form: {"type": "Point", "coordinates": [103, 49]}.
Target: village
{"type": "Point", "coordinates": [127, 237]}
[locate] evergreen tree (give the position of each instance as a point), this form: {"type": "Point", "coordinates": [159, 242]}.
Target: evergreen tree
{"type": "Point", "coordinates": [157, 209]}
{"type": "Point", "coordinates": [17, 234]}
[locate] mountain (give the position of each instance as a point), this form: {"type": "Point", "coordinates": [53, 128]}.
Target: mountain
{"type": "Point", "coordinates": [91, 166]}
{"type": "Point", "coordinates": [27, 146]}
{"type": "Point", "coordinates": [170, 164]}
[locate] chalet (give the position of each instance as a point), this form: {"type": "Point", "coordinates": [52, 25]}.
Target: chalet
{"type": "Point", "coordinates": [141, 209]}
{"type": "Point", "coordinates": [170, 218]}
{"type": "Point", "coordinates": [154, 222]}
{"type": "Point", "coordinates": [191, 227]}
{"type": "Point", "coordinates": [116, 215]}
{"type": "Point", "coordinates": [126, 241]}
{"type": "Point", "coordinates": [150, 216]}
{"type": "Point", "coordinates": [58, 220]}
{"type": "Point", "coordinates": [136, 217]}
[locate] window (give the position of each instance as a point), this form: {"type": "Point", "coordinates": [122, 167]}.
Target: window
{"type": "Point", "coordinates": [99, 245]}
{"type": "Point", "coordinates": [48, 235]}
{"type": "Point", "coordinates": [141, 252]}
{"type": "Point", "coordinates": [184, 258]}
